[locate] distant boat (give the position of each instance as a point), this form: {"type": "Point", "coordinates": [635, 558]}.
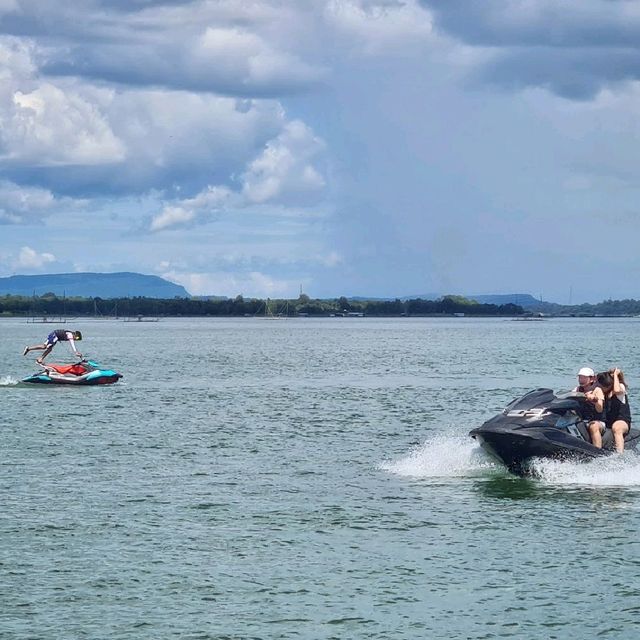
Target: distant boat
{"type": "Point", "coordinates": [347, 314]}
{"type": "Point", "coordinates": [141, 319]}
{"type": "Point", "coordinates": [99, 315]}
{"type": "Point", "coordinates": [280, 314]}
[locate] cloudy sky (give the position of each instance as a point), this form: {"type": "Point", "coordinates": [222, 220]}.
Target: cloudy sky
{"type": "Point", "coordinates": [348, 147]}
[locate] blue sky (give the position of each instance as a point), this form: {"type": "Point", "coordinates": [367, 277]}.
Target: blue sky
{"type": "Point", "coordinates": [351, 147]}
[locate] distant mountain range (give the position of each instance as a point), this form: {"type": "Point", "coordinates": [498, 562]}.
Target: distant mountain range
{"type": "Point", "coordinates": [129, 285]}
{"type": "Point", "coordinates": [93, 285]}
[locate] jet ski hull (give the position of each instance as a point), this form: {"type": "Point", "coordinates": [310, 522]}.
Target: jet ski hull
{"type": "Point", "coordinates": [81, 374]}
{"type": "Point", "coordinates": [93, 378]}
{"type": "Point", "coordinates": [516, 449]}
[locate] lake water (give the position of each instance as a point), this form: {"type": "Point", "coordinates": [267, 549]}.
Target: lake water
{"type": "Point", "coordinates": [303, 478]}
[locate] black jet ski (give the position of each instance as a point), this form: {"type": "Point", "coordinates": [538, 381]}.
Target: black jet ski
{"type": "Point", "coordinates": [541, 424]}
{"type": "Point", "coordinates": [85, 372]}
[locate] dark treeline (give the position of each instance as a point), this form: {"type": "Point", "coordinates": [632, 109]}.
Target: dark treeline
{"type": "Point", "coordinates": [612, 308]}
{"type": "Point", "coordinates": [51, 305]}
{"type": "Point", "coordinates": [627, 307]}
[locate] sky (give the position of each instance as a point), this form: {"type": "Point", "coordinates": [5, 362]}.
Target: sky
{"type": "Point", "coordinates": [340, 147]}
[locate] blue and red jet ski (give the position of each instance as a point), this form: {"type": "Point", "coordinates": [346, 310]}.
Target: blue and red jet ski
{"type": "Point", "coordinates": [85, 372]}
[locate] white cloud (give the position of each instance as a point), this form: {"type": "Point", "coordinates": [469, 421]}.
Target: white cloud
{"type": "Point", "coordinates": [380, 25]}
{"type": "Point", "coordinates": [52, 126]}
{"type": "Point", "coordinates": [182, 137]}
{"type": "Point", "coordinates": [171, 217]}
{"type": "Point", "coordinates": [282, 175]}
{"type": "Point", "coordinates": [132, 139]}
{"type": "Point", "coordinates": [16, 62]}
{"type": "Point", "coordinates": [136, 139]}
{"type": "Point", "coordinates": [248, 61]}
{"type": "Point", "coordinates": [223, 47]}
{"type": "Point", "coordinates": [204, 205]}
{"type": "Point", "coordinates": [19, 204]}
{"type": "Point", "coordinates": [43, 124]}
{"type": "Point", "coordinates": [283, 171]}
{"type": "Point", "coordinates": [30, 259]}
{"type": "Point", "coordinates": [249, 284]}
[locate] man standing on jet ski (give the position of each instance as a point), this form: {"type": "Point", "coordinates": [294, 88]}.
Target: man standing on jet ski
{"type": "Point", "coordinates": [594, 408]}
{"type": "Point", "coordinates": [59, 335]}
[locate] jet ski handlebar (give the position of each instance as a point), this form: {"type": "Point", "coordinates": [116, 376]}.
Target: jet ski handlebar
{"type": "Point", "coordinates": [573, 395]}
{"type": "Point", "coordinates": [568, 401]}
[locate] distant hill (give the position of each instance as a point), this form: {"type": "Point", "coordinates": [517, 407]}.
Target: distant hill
{"type": "Point", "coordinates": [525, 300]}
{"type": "Point", "coordinates": [93, 285]}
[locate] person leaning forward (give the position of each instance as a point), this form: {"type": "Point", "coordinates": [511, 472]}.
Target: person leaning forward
{"type": "Point", "coordinates": [59, 335]}
{"type": "Point", "coordinates": [594, 413]}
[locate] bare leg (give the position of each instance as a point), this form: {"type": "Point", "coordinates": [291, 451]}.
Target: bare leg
{"type": "Point", "coordinates": [620, 429]}
{"type": "Point", "coordinates": [36, 347]}
{"type": "Point", "coordinates": [596, 436]}
{"type": "Point", "coordinates": [47, 351]}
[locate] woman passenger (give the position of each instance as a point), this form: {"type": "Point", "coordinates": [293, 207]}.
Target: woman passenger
{"type": "Point", "coordinates": [618, 413]}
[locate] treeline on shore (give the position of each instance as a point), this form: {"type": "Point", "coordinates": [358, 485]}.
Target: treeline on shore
{"type": "Point", "coordinates": [52, 305]}
{"type": "Point", "coordinates": [628, 307]}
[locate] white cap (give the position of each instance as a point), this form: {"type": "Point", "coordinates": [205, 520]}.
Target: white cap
{"type": "Point", "coordinates": [587, 371]}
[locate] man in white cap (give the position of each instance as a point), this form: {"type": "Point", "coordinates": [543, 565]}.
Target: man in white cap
{"type": "Point", "coordinates": [594, 416]}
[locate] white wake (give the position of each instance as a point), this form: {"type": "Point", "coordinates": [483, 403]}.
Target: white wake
{"type": "Point", "coordinates": [440, 457]}
{"type": "Point", "coordinates": [458, 455]}
{"type": "Point", "coordinates": [609, 471]}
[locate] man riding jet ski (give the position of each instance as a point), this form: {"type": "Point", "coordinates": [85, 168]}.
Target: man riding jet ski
{"type": "Point", "coordinates": [543, 425]}
{"type": "Point", "coordinates": [85, 372]}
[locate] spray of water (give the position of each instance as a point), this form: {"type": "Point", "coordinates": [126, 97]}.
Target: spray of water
{"type": "Point", "coordinates": [441, 457]}
{"type": "Point", "coordinates": [610, 471]}
{"type": "Point", "coordinates": [8, 381]}
{"type": "Point", "coordinates": [451, 455]}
